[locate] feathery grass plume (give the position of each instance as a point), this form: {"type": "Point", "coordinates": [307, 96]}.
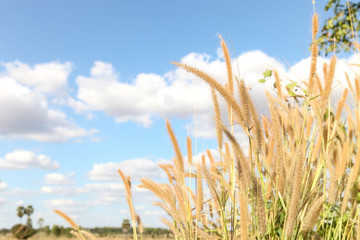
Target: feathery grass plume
{"type": "Point", "coordinates": [265, 123]}
{"type": "Point", "coordinates": [315, 25]}
{"type": "Point", "coordinates": [325, 69]}
{"type": "Point", "coordinates": [219, 135]}
{"type": "Point", "coordinates": [158, 190]}
{"type": "Point", "coordinates": [176, 216]}
{"type": "Point", "coordinates": [250, 114]}
{"type": "Point", "coordinates": [210, 156]}
{"type": "Point", "coordinates": [212, 82]}
{"type": "Point", "coordinates": [127, 183]}
{"type": "Point", "coordinates": [357, 88]}
{"type": "Point", "coordinates": [179, 163]}
{"type": "Point", "coordinates": [244, 98]}
{"type": "Point", "coordinates": [314, 54]}
{"type": "Point", "coordinates": [312, 215]}
{"type": "Point", "coordinates": [243, 166]}
{"type": "Point", "coordinates": [278, 84]}
{"type": "Point", "coordinates": [295, 195]}
{"type": "Point", "coordinates": [212, 186]}
{"type": "Point", "coordinates": [260, 207]}
{"type": "Point", "coordinates": [199, 192]}
{"type": "Point", "coordinates": [279, 157]}
{"type": "Point", "coordinates": [181, 199]}
{"type": "Point", "coordinates": [354, 173]}
{"type": "Point", "coordinates": [329, 81]}
{"type": "Point", "coordinates": [348, 82]}
{"type": "Point", "coordinates": [203, 162]}
{"type": "Point", "coordinates": [139, 223]}
{"type": "Point", "coordinates": [343, 161]}
{"type": "Point", "coordinates": [228, 65]}
{"type": "Point", "coordinates": [227, 157]}
{"type": "Point", "coordinates": [309, 123]}
{"type": "Point", "coordinates": [175, 231]}
{"type": "Point", "coordinates": [318, 84]}
{"type": "Point", "coordinates": [167, 171]}
{"type": "Point", "coordinates": [204, 235]}
{"type": "Point", "coordinates": [67, 218]}
{"type": "Point", "coordinates": [189, 150]}
{"type": "Point", "coordinates": [244, 218]}
{"type": "Point", "coordinates": [333, 184]}
{"type": "Point", "coordinates": [258, 133]}
{"type": "Point", "coordinates": [341, 105]}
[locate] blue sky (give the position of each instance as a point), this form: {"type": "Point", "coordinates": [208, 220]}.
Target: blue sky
{"type": "Point", "coordinates": [84, 85]}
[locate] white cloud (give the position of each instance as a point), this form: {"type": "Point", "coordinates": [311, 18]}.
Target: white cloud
{"type": "Point", "coordinates": [27, 115]}
{"type": "Point", "coordinates": [20, 193]}
{"type": "Point", "coordinates": [63, 191]}
{"type": "Point", "coordinates": [47, 77]}
{"type": "Point", "coordinates": [3, 186]}
{"type": "Point", "coordinates": [135, 168]}
{"type": "Point", "coordinates": [58, 178]}
{"type": "Point", "coordinates": [175, 94]}
{"type": "Point", "coordinates": [22, 159]}
{"type": "Point", "coordinates": [67, 206]}
{"type": "Point", "coordinates": [178, 94]}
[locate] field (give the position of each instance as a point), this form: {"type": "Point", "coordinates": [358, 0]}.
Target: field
{"type": "Point", "coordinates": [42, 236]}
{"type": "Point", "coordinates": [296, 177]}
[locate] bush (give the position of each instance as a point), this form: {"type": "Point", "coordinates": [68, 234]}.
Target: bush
{"type": "Point", "coordinates": [20, 231]}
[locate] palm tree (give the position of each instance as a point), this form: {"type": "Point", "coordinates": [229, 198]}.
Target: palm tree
{"type": "Point", "coordinates": [20, 212]}
{"type": "Point", "coordinates": [28, 211]}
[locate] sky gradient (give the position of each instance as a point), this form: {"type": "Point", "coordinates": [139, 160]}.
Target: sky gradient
{"type": "Point", "coordinates": [84, 87]}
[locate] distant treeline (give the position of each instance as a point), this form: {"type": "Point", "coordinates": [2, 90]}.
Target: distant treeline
{"type": "Point", "coordinates": [58, 231]}
{"type": "Point", "coordinates": [106, 231]}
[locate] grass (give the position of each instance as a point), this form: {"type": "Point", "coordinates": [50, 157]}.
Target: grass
{"type": "Point", "coordinates": [299, 179]}
{"type": "Point", "coordinates": [42, 236]}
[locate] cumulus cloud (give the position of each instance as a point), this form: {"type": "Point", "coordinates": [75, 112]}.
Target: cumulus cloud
{"type": "Point", "coordinates": [178, 94]}
{"type": "Point", "coordinates": [175, 94]}
{"type": "Point", "coordinates": [22, 159]}
{"type": "Point", "coordinates": [135, 168]}
{"type": "Point", "coordinates": [58, 178]}
{"type": "Point", "coordinates": [26, 113]}
{"type": "Point", "coordinates": [47, 77]}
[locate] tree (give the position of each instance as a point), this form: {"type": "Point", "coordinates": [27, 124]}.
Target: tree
{"type": "Point", "coordinates": [126, 227]}
{"type": "Point", "coordinates": [20, 211]}
{"type": "Point", "coordinates": [341, 29]}
{"type": "Point", "coordinates": [56, 230]}
{"type": "Point", "coordinates": [28, 211]}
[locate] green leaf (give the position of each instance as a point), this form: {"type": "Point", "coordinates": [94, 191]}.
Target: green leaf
{"type": "Point", "coordinates": [267, 73]}
{"type": "Point", "coordinates": [291, 93]}
{"type": "Point", "coordinates": [291, 86]}
{"type": "Point", "coordinates": [262, 80]}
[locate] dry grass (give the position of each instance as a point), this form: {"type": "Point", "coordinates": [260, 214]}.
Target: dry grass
{"type": "Point", "coordinates": [299, 178]}
{"type": "Point", "coordinates": [42, 236]}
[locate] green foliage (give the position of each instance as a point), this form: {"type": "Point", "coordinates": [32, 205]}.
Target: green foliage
{"type": "Point", "coordinates": [20, 211]}
{"type": "Point", "coordinates": [21, 231]}
{"type": "Point", "coordinates": [126, 225]}
{"type": "Point", "coordinates": [266, 74]}
{"type": "Point", "coordinates": [338, 31]}
{"type": "Point", "coordinates": [56, 231]}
